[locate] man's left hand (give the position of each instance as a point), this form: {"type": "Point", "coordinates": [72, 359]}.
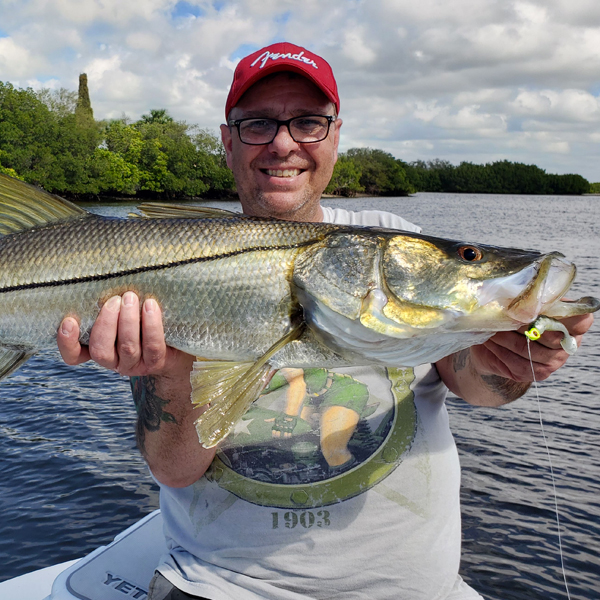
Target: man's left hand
{"type": "Point", "coordinates": [499, 371]}
{"type": "Point", "coordinates": [506, 353]}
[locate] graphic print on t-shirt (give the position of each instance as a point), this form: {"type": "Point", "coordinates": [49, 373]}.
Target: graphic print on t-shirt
{"type": "Point", "coordinates": [316, 437]}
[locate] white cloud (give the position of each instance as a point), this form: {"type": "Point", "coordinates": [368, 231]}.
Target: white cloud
{"type": "Point", "coordinates": [529, 11]}
{"type": "Point", "coordinates": [427, 111]}
{"type": "Point", "coordinates": [471, 118]}
{"type": "Point", "coordinates": [118, 84]}
{"type": "Point", "coordinates": [16, 61]}
{"type": "Point", "coordinates": [356, 49]}
{"type": "Point", "coordinates": [574, 106]}
{"type": "Point", "coordinates": [116, 12]}
{"type": "Point", "coordinates": [142, 40]}
{"type": "Point", "coordinates": [551, 143]}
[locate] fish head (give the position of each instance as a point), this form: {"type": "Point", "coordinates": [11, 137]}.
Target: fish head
{"type": "Point", "coordinates": [436, 284]}
{"type": "Point", "coordinates": [364, 290]}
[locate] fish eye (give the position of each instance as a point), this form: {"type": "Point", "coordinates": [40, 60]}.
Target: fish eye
{"type": "Point", "coordinates": [470, 253]}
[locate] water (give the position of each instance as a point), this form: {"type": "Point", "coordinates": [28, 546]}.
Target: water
{"type": "Point", "coordinates": [71, 477]}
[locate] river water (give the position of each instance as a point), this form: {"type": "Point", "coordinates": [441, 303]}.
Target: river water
{"type": "Point", "coordinates": [71, 477]}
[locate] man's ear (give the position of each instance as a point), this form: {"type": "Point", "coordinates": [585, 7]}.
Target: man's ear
{"type": "Point", "coordinates": [227, 140]}
{"type": "Point", "coordinates": [336, 139]}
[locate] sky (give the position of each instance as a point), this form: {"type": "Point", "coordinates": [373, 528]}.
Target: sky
{"type": "Point", "coordinates": [457, 80]}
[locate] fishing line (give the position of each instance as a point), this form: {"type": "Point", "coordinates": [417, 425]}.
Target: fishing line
{"type": "Point", "coordinates": [539, 406]}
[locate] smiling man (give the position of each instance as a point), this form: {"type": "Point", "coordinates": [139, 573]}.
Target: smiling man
{"type": "Point", "coordinates": [337, 483]}
{"type": "Point", "coordinates": [281, 173]}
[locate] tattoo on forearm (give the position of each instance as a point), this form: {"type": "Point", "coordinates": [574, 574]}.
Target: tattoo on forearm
{"type": "Point", "coordinates": [149, 407]}
{"type": "Point", "coordinates": [507, 389]}
{"type": "Point", "coordinates": [459, 360]}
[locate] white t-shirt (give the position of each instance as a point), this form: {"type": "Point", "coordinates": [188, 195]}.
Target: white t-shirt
{"type": "Point", "coordinates": [335, 485]}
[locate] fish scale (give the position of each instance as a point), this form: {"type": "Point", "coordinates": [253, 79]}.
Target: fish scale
{"type": "Point", "coordinates": [208, 289]}
{"type": "Point", "coordinates": [101, 245]}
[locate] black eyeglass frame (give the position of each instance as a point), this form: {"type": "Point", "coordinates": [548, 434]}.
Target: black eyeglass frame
{"type": "Point", "coordinates": [237, 122]}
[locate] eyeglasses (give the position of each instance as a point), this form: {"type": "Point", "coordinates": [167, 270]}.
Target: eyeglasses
{"type": "Point", "coordinates": [307, 129]}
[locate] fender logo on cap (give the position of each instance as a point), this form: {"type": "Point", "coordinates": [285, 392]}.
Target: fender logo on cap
{"type": "Point", "coordinates": [265, 56]}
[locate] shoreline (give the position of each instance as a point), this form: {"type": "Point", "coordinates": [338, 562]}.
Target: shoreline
{"type": "Point", "coordinates": [234, 198]}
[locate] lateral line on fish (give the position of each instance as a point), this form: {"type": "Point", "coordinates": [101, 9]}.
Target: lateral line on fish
{"type": "Point", "coordinates": [179, 263]}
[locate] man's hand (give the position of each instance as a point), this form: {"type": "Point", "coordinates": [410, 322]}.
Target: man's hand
{"type": "Point", "coordinates": [120, 339]}
{"type": "Point", "coordinates": [499, 371]}
{"type": "Point", "coordinates": [134, 345]}
{"type": "Point", "coordinates": [506, 353]}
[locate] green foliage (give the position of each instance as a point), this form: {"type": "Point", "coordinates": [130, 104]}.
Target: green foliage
{"type": "Point", "coordinates": [61, 102]}
{"type": "Point", "coordinates": [44, 147]}
{"type": "Point", "coordinates": [569, 184]}
{"type": "Point", "coordinates": [123, 139]}
{"type": "Point", "coordinates": [166, 157]}
{"type": "Point", "coordinates": [345, 180]}
{"type": "Point", "coordinates": [112, 173]}
{"type": "Point", "coordinates": [595, 188]}
{"type": "Point", "coordinates": [83, 109]}
{"type": "Point", "coordinates": [76, 143]}
{"type": "Point", "coordinates": [211, 154]}
{"type": "Point", "coordinates": [51, 139]}
{"type": "Point", "coordinates": [502, 177]}
{"type": "Point", "coordinates": [169, 158]}
{"type": "Point", "coordinates": [428, 176]}
{"type": "Point", "coordinates": [8, 170]}
{"type": "Point", "coordinates": [380, 173]}
{"type": "Point", "coordinates": [158, 116]}
{"type": "Point", "coordinates": [27, 132]}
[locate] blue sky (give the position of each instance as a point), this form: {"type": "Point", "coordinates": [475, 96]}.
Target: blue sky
{"type": "Point", "coordinates": [185, 10]}
{"type": "Point", "coordinates": [474, 80]}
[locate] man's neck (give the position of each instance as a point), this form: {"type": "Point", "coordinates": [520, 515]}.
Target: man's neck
{"type": "Point", "coordinates": [312, 215]}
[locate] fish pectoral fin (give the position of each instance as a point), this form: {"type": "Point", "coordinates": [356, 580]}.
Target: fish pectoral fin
{"type": "Point", "coordinates": [159, 210]}
{"type": "Point", "coordinates": [572, 308]}
{"type": "Point", "coordinates": [230, 388]}
{"type": "Point", "coordinates": [11, 360]}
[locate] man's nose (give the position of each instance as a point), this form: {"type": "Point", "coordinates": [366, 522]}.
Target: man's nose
{"type": "Point", "coordinates": [283, 143]}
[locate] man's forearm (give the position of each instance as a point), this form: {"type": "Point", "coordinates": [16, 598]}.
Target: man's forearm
{"type": "Point", "coordinates": [462, 377]}
{"type": "Point", "coordinates": [165, 431]}
{"type": "Point", "coordinates": [152, 409]}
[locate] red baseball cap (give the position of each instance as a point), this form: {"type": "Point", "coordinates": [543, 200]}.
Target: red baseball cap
{"type": "Point", "coordinates": [282, 56]}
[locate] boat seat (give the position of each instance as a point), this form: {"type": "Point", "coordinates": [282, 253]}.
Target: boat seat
{"type": "Point", "coordinates": [120, 571]}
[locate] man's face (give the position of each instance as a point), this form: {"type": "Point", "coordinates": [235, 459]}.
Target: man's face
{"type": "Point", "coordinates": [283, 179]}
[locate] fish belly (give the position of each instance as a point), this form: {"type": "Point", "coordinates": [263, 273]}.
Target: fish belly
{"type": "Point", "coordinates": [310, 351]}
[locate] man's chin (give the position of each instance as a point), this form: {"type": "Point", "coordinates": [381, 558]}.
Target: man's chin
{"type": "Point", "coordinates": [298, 205]}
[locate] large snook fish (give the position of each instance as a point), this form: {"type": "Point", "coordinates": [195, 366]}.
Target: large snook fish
{"type": "Point", "coordinates": [247, 295]}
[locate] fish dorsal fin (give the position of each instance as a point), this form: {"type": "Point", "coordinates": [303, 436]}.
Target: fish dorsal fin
{"type": "Point", "coordinates": [159, 210]}
{"type": "Point", "coordinates": [23, 206]}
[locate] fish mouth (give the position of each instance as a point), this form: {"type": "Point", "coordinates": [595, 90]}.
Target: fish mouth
{"type": "Point", "coordinates": [531, 290]}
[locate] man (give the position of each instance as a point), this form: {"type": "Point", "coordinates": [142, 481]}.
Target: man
{"type": "Point", "coordinates": [284, 511]}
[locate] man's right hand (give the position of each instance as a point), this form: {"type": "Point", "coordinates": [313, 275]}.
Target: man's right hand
{"type": "Point", "coordinates": [121, 339]}
{"type": "Point", "coordinates": [132, 342]}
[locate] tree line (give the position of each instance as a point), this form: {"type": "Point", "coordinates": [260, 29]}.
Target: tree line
{"type": "Point", "coordinates": [51, 139]}
{"type": "Point", "coordinates": [370, 171]}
